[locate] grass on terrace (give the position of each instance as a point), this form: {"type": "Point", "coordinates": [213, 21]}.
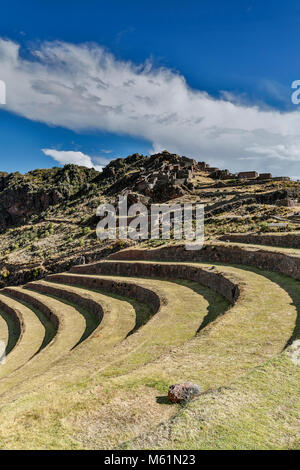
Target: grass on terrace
{"type": "Point", "coordinates": [121, 400]}
{"type": "Point", "coordinates": [261, 410]}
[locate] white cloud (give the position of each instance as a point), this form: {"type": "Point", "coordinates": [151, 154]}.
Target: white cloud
{"type": "Point", "coordinates": [102, 160]}
{"type": "Point", "coordinates": [83, 87]}
{"type": "Point", "coordinates": [69, 156]}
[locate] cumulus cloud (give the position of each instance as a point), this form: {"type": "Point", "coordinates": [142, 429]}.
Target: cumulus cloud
{"type": "Point", "coordinates": [83, 87]}
{"type": "Point", "coordinates": [68, 156]}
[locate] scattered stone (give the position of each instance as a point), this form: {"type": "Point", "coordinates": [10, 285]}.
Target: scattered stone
{"type": "Point", "coordinates": [179, 393]}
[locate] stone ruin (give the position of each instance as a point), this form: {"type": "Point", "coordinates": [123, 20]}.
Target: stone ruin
{"type": "Point", "coordinates": [216, 173]}
{"type": "Point", "coordinates": [165, 176]}
{"type": "Point", "coordinates": [167, 170]}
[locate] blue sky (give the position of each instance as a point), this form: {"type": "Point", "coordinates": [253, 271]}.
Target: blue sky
{"type": "Point", "coordinates": [224, 71]}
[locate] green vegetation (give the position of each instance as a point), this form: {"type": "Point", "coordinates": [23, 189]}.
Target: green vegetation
{"type": "Point", "coordinates": [72, 381]}
{"type": "Point", "coordinates": [119, 374]}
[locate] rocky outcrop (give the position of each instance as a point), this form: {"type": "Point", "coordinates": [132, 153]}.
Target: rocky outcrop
{"type": "Point", "coordinates": [161, 177]}
{"type": "Point", "coordinates": [22, 196]}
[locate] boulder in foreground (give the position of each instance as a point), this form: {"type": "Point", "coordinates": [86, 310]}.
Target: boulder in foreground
{"type": "Point", "coordinates": [180, 393]}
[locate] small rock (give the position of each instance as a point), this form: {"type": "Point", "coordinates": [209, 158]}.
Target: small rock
{"type": "Point", "coordinates": [179, 393]}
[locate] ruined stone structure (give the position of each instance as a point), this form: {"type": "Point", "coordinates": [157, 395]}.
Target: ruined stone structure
{"type": "Point", "coordinates": [247, 174]}
{"type": "Point", "coordinates": [222, 175]}
{"type": "Point", "coordinates": [212, 169]}
{"type": "Point", "coordinates": [167, 170]}
{"type": "Point", "coordinates": [265, 176]}
{"type": "Point", "coordinates": [281, 178]}
{"type": "Point", "coordinates": [164, 176]}
{"type": "Point", "coordinates": [202, 166]}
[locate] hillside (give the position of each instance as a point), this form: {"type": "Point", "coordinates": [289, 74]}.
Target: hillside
{"type": "Point", "coordinates": [48, 217]}
{"type": "Point", "coordinates": [92, 352]}
{"type": "Point", "coordinates": [96, 332]}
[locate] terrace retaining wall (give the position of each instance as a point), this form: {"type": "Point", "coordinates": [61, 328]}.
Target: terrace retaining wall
{"type": "Point", "coordinates": [283, 263]}
{"type": "Point", "coordinates": [290, 240]}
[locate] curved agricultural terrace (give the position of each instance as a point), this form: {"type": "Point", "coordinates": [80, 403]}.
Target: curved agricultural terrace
{"type": "Point", "coordinates": [93, 351]}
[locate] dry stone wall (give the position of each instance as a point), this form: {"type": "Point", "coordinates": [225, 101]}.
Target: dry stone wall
{"type": "Point", "coordinates": [290, 240]}
{"type": "Point", "coordinates": [214, 280]}
{"type": "Point", "coordinates": [284, 263]}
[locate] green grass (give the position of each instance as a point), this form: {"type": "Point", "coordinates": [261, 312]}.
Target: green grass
{"type": "Point", "coordinates": [47, 324]}
{"type": "Point", "coordinates": [143, 312]}
{"type": "Point", "coordinates": [91, 321]}
{"type": "Point", "coordinates": [259, 411]}
{"type": "Point", "coordinates": [117, 396]}
{"type": "Point", "coordinates": [30, 339]}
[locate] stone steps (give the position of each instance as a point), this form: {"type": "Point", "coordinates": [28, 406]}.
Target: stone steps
{"type": "Point", "coordinates": [31, 335]}
{"type": "Point", "coordinates": [110, 319]}
{"type": "Point", "coordinates": [90, 308]}
{"type": "Point", "coordinates": [70, 326]}
{"type": "Point", "coordinates": [103, 369]}
{"type": "Point", "coordinates": [167, 301]}
{"type": "Point", "coordinates": [248, 290]}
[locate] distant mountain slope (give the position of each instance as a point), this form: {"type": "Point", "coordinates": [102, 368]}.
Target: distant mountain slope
{"type": "Point", "coordinates": [24, 195]}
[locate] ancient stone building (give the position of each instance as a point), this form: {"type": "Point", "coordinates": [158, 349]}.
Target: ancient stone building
{"type": "Point", "coordinates": [248, 174]}
{"type": "Point", "coordinates": [281, 178]}
{"type": "Point", "coordinates": [265, 176]}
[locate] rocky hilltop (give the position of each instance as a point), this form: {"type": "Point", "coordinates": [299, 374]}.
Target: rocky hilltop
{"type": "Point", "coordinates": [22, 196]}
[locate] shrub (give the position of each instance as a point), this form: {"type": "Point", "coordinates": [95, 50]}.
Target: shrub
{"type": "Point", "coordinates": [5, 273]}
{"type": "Point", "coordinates": [86, 230]}
{"type": "Point", "coordinates": [264, 227]}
